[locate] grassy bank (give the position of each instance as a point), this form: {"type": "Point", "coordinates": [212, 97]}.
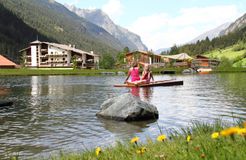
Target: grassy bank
{"type": "Point", "coordinates": [82, 72]}
{"type": "Point", "coordinates": [43, 72]}
{"type": "Point", "coordinates": [201, 141]}
{"type": "Point", "coordinates": [91, 72]}
{"type": "Point", "coordinates": [229, 69]}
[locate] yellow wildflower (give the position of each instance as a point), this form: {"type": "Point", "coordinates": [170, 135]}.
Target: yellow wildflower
{"type": "Point", "coordinates": [229, 131]}
{"type": "Point", "coordinates": [188, 138]}
{"type": "Point", "coordinates": [215, 135]}
{"type": "Point", "coordinates": [241, 131]}
{"type": "Point", "coordinates": [98, 151]}
{"type": "Point", "coordinates": [134, 140]}
{"type": "Point", "coordinates": [161, 138]}
{"type": "Point", "coordinates": [141, 150]}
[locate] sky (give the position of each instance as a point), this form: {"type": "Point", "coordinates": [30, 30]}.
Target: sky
{"type": "Point", "coordinates": [163, 23]}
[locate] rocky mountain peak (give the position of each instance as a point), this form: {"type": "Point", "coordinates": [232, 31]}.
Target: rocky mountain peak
{"type": "Point", "coordinates": [98, 17]}
{"type": "Point", "coordinates": [237, 25]}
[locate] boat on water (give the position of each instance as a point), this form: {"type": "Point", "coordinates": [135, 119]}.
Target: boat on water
{"type": "Point", "coordinates": [152, 84]}
{"type": "Point", "coordinates": [204, 70]}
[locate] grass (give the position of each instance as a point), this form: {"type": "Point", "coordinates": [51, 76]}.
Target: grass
{"type": "Point", "coordinates": [235, 55]}
{"type": "Point", "coordinates": [228, 53]}
{"type": "Point", "coordinates": [43, 72]}
{"type": "Point", "coordinates": [82, 72]}
{"type": "Point", "coordinates": [229, 69]}
{"type": "Point", "coordinates": [230, 146]}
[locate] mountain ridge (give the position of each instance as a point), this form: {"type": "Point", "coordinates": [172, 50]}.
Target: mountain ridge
{"type": "Point", "coordinates": [211, 33]}
{"type": "Point", "coordinates": [98, 17]}
{"type": "Point", "coordinates": [236, 25]}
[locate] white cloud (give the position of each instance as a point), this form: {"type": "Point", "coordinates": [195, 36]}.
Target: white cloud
{"type": "Point", "coordinates": [162, 30]}
{"type": "Point", "coordinates": [114, 9]}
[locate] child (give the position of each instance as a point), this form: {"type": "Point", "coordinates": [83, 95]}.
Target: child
{"type": "Point", "coordinates": [133, 72]}
{"type": "Point", "coordinates": [147, 74]}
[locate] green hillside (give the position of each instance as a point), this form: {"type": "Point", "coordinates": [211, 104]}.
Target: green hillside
{"type": "Point", "coordinates": [234, 56]}
{"type": "Point", "coordinates": [22, 20]}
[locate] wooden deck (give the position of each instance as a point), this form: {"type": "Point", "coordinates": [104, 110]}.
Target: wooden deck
{"type": "Point", "coordinates": [153, 84]}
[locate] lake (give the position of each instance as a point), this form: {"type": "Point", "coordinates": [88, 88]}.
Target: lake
{"type": "Point", "coordinates": [57, 113]}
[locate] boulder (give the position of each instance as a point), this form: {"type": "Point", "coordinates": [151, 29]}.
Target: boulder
{"type": "Point", "coordinates": [127, 108]}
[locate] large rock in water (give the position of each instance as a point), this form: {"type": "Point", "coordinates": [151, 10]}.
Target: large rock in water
{"type": "Point", "coordinates": [127, 108]}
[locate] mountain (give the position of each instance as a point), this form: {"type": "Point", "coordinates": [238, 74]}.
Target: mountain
{"type": "Point", "coordinates": [21, 21]}
{"type": "Point", "coordinates": [159, 51]}
{"type": "Point", "coordinates": [237, 25]}
{"type": "Point", "coordinates": [98, 17]}
{"type": "Point", "coordinates": [211, 33]}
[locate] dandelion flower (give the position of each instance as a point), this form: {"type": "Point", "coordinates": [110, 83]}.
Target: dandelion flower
{"type": "Point", "coordinates": [230, 131]}
{"type": "Point", "coordinates": [188, 138]}
{"type": "Point", "coordinates": [215, 135]}
{"type": "Point", "coordinates": [98, 151]}
{"type": "Point", "coordinates": [134, 140]}
{"type": "Point", "coordinates": [241, 131]}
{"type": "Point", "coordinates": [161, 138]}
{"type": "Point", "coordinates": [141, 150]}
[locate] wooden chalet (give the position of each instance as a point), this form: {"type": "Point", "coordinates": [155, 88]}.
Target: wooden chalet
{"type": "Point", "coordinates": [204, 62]}
{"type": "Point", "coordinates": [178, 60]}
{"type": "Point", "coordinates": [144, 57]}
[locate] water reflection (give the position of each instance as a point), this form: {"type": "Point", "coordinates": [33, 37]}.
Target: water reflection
{"type": "Point", "coordinates": [123, 130]}
{"type": "Point", "coordinates": [145, 93]}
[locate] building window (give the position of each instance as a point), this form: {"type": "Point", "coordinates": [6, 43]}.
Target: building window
{"type": "Point", "coordinates": [51, 52]}
{"type": "Point", "coordinates": [51, 59]}
{"type": "Point", "coordinates": [63, 59]}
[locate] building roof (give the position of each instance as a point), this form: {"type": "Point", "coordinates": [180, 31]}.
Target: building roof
{"type": "Point", "coordinates": [6, 62]}
{"type": "Point", "coordinates": [36, 42]}
{"type": "Point", "coordinates": [181, 56]}
{"type": "Point", "coordinates": [70, 48]}
{"type": "Point", "coordinates": [143, 52]}
{"type": "Point", "coordinates": [61, 46]}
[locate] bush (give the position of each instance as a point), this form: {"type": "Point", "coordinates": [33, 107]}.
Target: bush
{"type": "Point", "coordinates": [107, 61]}
{"type": "Point", "coordinates": [225, 62]}
{"type": "Point", "coordinates": [239, 47]}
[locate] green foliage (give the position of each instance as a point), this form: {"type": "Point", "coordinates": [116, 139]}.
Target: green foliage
{"type": "Point", "coordinates": [75, 63]}
{"type": "Point", "coordinates": [240, 46]}
{"type": "Point", "coordinates": [120, 58]}
{"type": "Point", "coordinates": [174, 50]}
{"type": "Point", "coordinates": [107, 61]}
{"type": "Point", "coordinates": [126, 50]}
{"type": "Point", "coordinates": [225, 62]}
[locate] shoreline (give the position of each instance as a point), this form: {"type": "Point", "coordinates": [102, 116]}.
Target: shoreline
{"type": "Point", "coordinates": [92, 72]}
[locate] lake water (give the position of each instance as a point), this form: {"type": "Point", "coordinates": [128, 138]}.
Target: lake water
{"type": "Point", "coordinates": [57, 113]}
